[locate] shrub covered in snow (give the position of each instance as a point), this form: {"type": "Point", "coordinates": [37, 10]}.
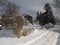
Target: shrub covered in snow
{"type": "Point", "coordinates": [18, 25]}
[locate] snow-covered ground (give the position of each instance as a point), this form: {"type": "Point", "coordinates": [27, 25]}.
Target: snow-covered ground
{"type": "Point", "coordinates": [57, 29]}
{"type": "Point", "coordinates": [38, 37]}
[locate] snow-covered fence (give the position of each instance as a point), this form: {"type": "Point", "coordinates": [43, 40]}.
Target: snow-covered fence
{"type": "Point", "coordinates": [49, 25]}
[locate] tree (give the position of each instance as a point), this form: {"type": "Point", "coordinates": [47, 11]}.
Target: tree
{"type": "Point", "coordinates": [11, 17]}
{"type": "Point", "coordinates": [57, 1]}
{"type": "Point", "coordinates": [46, 17]}
{"type": "Point", "coordinates": [8, 7]}
{"type": "Point", "coordinates": [11, 9]}
{"type": "Point", "coordinates": [38, 15]}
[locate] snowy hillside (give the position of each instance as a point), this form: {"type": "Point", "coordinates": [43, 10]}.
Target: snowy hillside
{"type": "Point", "coordinates": [38, 37]}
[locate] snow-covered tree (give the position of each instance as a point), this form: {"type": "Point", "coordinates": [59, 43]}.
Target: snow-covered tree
{"type": "Point", "coordinates": [46, 17]}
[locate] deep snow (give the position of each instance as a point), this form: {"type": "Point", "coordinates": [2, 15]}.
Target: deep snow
{"type": "Point", "coordinates": [38, 37]}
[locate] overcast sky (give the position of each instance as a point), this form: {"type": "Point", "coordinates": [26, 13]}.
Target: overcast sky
{"type": "Point", "coordinates": [32, 6]}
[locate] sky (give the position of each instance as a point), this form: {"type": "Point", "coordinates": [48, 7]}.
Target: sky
{"type": "Point", "coordinates": [34, 5]}
{"type": "Point", "coordinates": [31, 7]}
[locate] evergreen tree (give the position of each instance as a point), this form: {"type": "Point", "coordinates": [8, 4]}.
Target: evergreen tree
{"type": "Point", "coordinates": [46, 17]}
{"type": "Point", "coordinates": [38, 15]}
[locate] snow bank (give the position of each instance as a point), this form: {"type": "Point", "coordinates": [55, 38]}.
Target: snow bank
{"type": "Point", "coordinates": [38, 37]}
